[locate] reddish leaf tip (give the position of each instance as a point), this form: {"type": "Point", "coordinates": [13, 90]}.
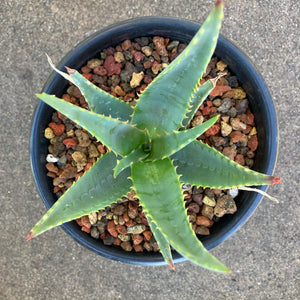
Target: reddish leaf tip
{"type": "Point", "coordinates": [30, 236]}
{"type": "Point", "coordinates": [70, 71]}
{"type": "Point", "coordinates": [171, 265]}
{"type": "Point", "coordinates": [219, 2]}
{"type": "Point", "coordinates": [275, 180]}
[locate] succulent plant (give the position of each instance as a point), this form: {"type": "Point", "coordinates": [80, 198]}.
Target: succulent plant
{"type": "Point", "coordinates": [152, 151]}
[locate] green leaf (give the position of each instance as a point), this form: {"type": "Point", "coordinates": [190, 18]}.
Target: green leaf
{"type": "Point", "coordinates": [197, 99]}
{"type": "Point", "coordinates": [164, 146]}
{"type": "Point", "coordinates": [201, 165]}
{"type": "Point", "coordinates": [164, 103]}
{"type": "Point", "coordinates": [162, 242]}
{"type": "Point", "coordinates": [100, 101]}
{"type": "Point", "coordinates": [131, 158]}
{"type": "Point", "coordinates": [95, 190]}
{"type": "Point", "coordinates": [158, 188]}
{"type": "Point", "coordinates": [116, 135]}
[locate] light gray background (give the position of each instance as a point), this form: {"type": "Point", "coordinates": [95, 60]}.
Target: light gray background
{"type": "Point", "coordinates": [264, 254]}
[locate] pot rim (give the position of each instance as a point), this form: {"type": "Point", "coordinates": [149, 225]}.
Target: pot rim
{"type": "Point", "coordinates": [77, 51]}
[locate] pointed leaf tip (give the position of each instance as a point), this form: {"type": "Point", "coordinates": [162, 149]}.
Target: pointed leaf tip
{"type": "Point", "coordinates": [219, 2]}
{"type": "Point", "coordinates": [275, 180]}
{"type": "Point", "coordinates": [171, 265]}
{"type": "Point", "coordinates": [30, 236]}
{"type": "Point", "coordinates": [70, 71]}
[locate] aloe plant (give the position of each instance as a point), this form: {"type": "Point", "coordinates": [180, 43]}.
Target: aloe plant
{"type": "Point", "coordinates": [151, 150]}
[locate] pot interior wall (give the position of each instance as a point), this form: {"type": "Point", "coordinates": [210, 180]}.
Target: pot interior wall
{"type": "Point", "coordinates": [258, 95]}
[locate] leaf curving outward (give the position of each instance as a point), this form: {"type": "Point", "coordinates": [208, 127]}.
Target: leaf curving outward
{"type": "Point", "coordinates": [158, 188]}
{"type": "Point", "coordinates": [100, 101]}
{"type": "Point", "coordinates": [201, 165]}
{"type": "Point", "coordinates": [166, 145]}
{"type": "Point", "coordinates": [197, 99]}
{"type": "Point", "coordinates": [116, 135]}
{"type": "Point", "coordinates": [95, 190]}
{"type": "Point", "coordinates": [163, 243]}
{"type": "Point", "coordinates": [164, 103]}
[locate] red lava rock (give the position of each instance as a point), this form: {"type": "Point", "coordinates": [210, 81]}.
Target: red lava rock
{"type": "Point", "coordinates": [119, 91]}
{"type": "Point", "coordinates": [86, 221]}
{"type": "Point", "coordinates": [228, 94]}
{"type": "Point", "coordinates": [253, 143]}
{"type": "Point", "coordinates": [213, 130]}
{"type": "Point", "coordinates": [126, 217]}
{"type": "Point", "coordinates": [121, 229]}
{"type": "Point", "coordinates": [193, 207]}
{"type": "Point", "coordinates": [138, 56]}
{"type": "Point", "coordinates": [86, 229]}
{"type": "Point", "coordinates": [67, 98]}
{"type": "Point", "coordinates": [240, 159]}
{"type": "Point", "coordinates": [79, 222]}
{"type": "Point", "coordinates": [132, 205]}
{"type": "Point", "coordinates": [229, 152]}
{"type": "Point", "coordinates": [147, 79]}
{"type": "Point", "coordinates": [202, 220]}
{"type": "Point", "coordinates": [186, 196]}
{"type": "Point", "coordinates": [138, 248]}
{"type": "Point", "coordinates": [213, 110]}
{"type": "Point", "coordinates": [85, 70]}
{"type": "Point", "coordinates": [87, 166]}
{"type": "Point", "coordinates": [218, 141]}
{"type": "Point", "coordinates": [76, 92]}
{"type": "Point", "coordinates": [104, 235]}
{"type": "Point", "coordinates": [209, 103]}
{"type": "Point", "coordinates": [250, 119]}
{"type": "Point", "coordinates": [147, 235]}
{"type": "Point", "coordinates": [88, 76]}
{"type": "Point", "coordinates": [111, 228]}
{"type": "Point", "coordinates": [100, 70]}
{"type": "Point", "coordinates": [52, 168]}
{"type": "Point", "coordinates": [101, 149]}
{"type": "Point", "coordinates": [236, 136]}
{"type": "Point", "coordinates": [197, 198]}
{"type": "Point", "coordinates": [111, 66]}
{"type": "Point", "coordinates": [247, 130]}
{"type": "Point", "coordinates": [137, 239]}
{"type": "Point", "coordinates": [130, 223]}
{"type": "Point", "coordinates": [58, 129]}
{"type": "Point", "coordinates": [144, 221]}
{"type": "Point", "coordinates": [126, 45]}
{"type": "Point", "coordinates": [52, 175]}
{"type": "Point", "coordinates": [206, 111]}
{"type": "Point", "coordinates": [68, 172]}
{"type": "Point", "coordinates": [129, 96]}
{"type": "Point", "coordinates": [141, 88]}
{"type": "Point", "coordinates": [109, 51]}
{"type": "Point", "coordinates": [219, 90]}
{"type": "Point", "coordinates": [147, 64]}
{"type": "Point", "coordinates": [119, 48]}
{"type": "Point", "coordinates": [69, 142]}
{"type": "Point", "coordinates": [160, 46]}
{"type": "Point", "coordinates": [117, 242]}
{"type": "Point", "coordinates": [242, 118]}
{"type": "Point", "coordinates": [82, 102]}
{"type": "Point", "coordinates": [78, 175]}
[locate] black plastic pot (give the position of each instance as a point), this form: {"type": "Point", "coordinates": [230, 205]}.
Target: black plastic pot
{"type": "Point", "coordinates": [258, 95]}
